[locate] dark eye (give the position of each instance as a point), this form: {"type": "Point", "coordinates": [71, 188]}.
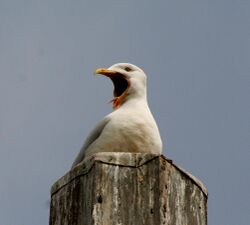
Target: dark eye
{"type": "Point", "coordinates": [128, 69]}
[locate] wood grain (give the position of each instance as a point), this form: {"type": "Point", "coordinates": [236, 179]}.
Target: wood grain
{"type": "Point", "coordinates": [128, 189]}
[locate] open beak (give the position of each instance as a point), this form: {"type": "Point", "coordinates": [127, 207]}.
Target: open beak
{"type": "Point", "coordinates": [120, 82]}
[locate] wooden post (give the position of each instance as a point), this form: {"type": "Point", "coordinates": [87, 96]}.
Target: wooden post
{"type": "Point", "coordinates": [128, 189]}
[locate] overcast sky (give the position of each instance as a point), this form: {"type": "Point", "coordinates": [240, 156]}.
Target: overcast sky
{"type": "Point", "coordinates": [197, 58]}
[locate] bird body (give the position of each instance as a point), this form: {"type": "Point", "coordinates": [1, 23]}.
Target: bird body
{"type": "Point", "coordinates": [131, 126]}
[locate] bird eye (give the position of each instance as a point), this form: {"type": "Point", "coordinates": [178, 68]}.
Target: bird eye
{"type": "Point", "coordinates": [128, 69]}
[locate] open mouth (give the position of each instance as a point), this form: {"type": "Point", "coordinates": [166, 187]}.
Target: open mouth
{"type": "Point", "coordinates": [120, 82]}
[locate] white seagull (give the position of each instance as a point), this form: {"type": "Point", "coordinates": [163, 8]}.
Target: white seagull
{"type": "Point", "coordinates": [131, 126]}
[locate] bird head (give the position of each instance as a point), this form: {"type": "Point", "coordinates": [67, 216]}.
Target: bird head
{"type": "Point", "coordinates": [129, 82]}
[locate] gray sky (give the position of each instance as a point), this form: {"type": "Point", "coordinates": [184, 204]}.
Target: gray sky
{"type": "Point", "coordinates": [196, 55]}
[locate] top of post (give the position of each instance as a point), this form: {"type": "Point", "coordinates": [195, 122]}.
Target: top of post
{"type": "Point", "coordinates": [121, 159]}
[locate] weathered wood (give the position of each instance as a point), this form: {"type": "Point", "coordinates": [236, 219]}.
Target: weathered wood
{"type": "Point", "coordinates": [128, 189]}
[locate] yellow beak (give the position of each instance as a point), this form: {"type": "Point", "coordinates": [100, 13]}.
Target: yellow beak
{"type": "Point", "coordinates": [106, 72]}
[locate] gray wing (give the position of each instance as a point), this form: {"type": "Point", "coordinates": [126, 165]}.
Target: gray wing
{"type": "Point", "coordinates": [94, 134]}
